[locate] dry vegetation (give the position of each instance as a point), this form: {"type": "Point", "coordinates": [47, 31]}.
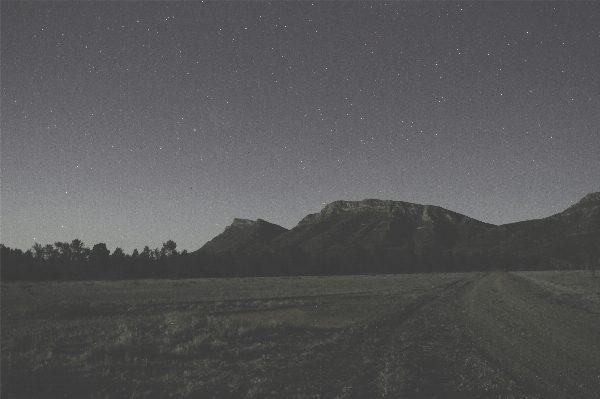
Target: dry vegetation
{"type": "Point", "coordinates": [575, 288]}
{"type": "Point", "coordinates": [218, 337]}
{"type": "Point", "coordinates": [300, 337]}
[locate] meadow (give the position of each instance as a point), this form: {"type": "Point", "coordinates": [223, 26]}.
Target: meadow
{"type": "Point", "coordinates": [292, 337]}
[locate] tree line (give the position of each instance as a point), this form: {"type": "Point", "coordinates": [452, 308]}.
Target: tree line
{"type": "Point", "coordinates": [75, 261]}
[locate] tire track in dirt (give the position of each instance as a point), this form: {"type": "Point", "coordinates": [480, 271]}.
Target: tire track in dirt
{"type": "Point", "coordinates": [365, 360]}
{"type": "Point", "coordinates": [482, 336]}
{"type": "Point", "coordinates": [547, 348]}
{"type": "Point", "coordinates": [417, 351]}
{"type": "Point", "coordinates": [437, 357]}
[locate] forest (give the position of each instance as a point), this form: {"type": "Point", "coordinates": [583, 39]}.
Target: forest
{"type": "Point", "coordinates": [75, 261]}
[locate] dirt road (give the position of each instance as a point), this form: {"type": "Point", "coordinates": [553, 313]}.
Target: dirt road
{"type": "Point", "coordinates": [546, 347]}
{"type": "Point", "coordinates": [486, 336]}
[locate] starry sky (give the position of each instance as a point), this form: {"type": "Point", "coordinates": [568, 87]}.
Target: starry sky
{"type": "Point", "coordinates": [135, 123]}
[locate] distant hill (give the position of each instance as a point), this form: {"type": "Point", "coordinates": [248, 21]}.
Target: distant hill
{"type": "Point", "coordinates": [561, 236]}
{"type": "Point", "coordinates": [377, 236]}
{"type": "Point", "coordinates": [242, 234]}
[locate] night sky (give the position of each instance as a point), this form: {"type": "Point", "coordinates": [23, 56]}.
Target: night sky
{"type": "Point", "coordinates": [135, 123]}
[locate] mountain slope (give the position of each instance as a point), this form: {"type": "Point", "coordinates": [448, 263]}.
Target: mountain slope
{"type": "Point", "coordinates": [375, 225]}
{"type": "Point", "coordinates": [560, 235]}
{"type": "Point", "coordinates": [242, 234]}
{"type": "Point", "coordinates": [377, 236]}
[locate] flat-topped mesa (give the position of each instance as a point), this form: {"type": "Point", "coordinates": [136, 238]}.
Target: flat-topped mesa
{"type": "Point", "coordinates": [386, 208]}
{"type": "Point", "coordinates": [374, 204]}
{"type": "Point", "coordinates": [379, 225]}
{"type": "Point", "coordinates": [368, 205]}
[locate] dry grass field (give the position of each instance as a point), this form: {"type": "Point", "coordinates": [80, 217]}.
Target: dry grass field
{"type": "Point", "coordinates": [421, 336]}
{"type": "Point", "coordinates": [574, 288]}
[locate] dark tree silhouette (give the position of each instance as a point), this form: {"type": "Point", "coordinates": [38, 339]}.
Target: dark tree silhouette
{"type": "Point", "coordinates": [168, 249]}
{"type": "Point", "coordinates": [99, 260]}
{"type": "Point", "coordinates": [38, 251]}
{"type": "Point", "coordinates": [49, 252]}
{"type": "Point", "coordinates": [117, 264]}
{"type": "Point", "coordinates": [15, 263]}
{"type": "Point", "coordinates": [78, 250]}
{"type": "Point", "coordinates": [64, 251]}
{"type": "Point", "coordinates": [146, 253]}
{"type": "Point", "coordinates": [99, 253]}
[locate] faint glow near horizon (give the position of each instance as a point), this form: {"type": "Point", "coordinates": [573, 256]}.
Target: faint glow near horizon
{"type": "Point", "coordinates": [135, 123]}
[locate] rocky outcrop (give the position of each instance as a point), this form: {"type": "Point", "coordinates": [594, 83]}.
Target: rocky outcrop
{"type": "Point", "coordinates": [590, 198]}
{"type": "Point", "coordinates": [243, 234]}
{"type": "Point", "coordinates": [378, 236]}
{"type": "Point", "coordinates": [378, 225]}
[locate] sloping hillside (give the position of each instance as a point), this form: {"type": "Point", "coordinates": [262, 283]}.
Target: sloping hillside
{"type": "Point", "coordinates": [562, 236]}
{"type": "Point", "coordinates": [377, 236]}
{"type": "Point", "coordinates": [242, 234]}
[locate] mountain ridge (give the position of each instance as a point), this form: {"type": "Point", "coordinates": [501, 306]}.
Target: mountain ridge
{"type": "Point", "coordinates": [397, 236]}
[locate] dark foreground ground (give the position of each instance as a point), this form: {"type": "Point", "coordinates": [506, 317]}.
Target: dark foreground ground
{"type": "Point", "coordinates": [463, 335]}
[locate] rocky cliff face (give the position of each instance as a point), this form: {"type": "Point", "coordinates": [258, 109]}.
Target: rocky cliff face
{"type": "Point", "coordinates": [395, 237]}
{"type": "Point", "coordinates": [375, 225]}
{"type": "Point", "coordinates": [343, 227]}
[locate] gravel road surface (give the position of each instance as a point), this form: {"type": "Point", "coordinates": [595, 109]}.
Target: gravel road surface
{"type": "Point", "coordinates": [547, 347]}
